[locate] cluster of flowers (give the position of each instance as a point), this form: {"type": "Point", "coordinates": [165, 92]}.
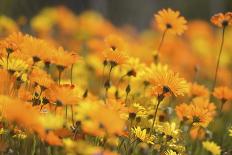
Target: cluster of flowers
{"type": "Point", "coordinates": [110, 92]}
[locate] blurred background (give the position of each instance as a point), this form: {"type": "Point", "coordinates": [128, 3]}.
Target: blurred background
{"type": "Point", "coordinates": [121, 12]}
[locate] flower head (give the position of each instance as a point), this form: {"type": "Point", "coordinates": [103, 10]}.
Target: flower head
{"type": "Point", "coordinates": [142, 135]}
{"type": "Point", "coordinates": [167, 82]}
{"type": "Point", "coordinates": [170, 20]}
{"type": "Point", "coordinates": [222, 20]}
{"type": "Point", "coordinates": [199, 112]}
{"type": "Point", "coordinates": [212, 147]}
{"type": "Point", "coordinates": [223, 93]}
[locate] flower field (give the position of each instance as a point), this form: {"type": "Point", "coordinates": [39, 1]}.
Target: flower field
{"type": "Point", "coordinates": [76, 84]}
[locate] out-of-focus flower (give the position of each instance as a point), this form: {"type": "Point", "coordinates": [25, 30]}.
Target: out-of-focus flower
{"type": "Point", "coordinates": [53, 139]}
{"type": "Point", "coordinates": [51, 121]}
{"type": "Point", "coordinates": [21, 113]}
{"type": "Point", "coordinates": [197, 90]}
{"type": "Point", "coordinates": [80, 147]}
{"type": "Point", "coordinates": [212, 147]}
{"type": "Point", "coordinates": [7, 25]}
{"type": "Point", "coordinates": [223, 93]}
{"type": "Point", "coordinates": [222, 20]}
{"type": "Point", "coordinates": [97, 119]}
{"type": "Point", "coordinates": [169, 20]}
{"type": "Point", "coordinates": [170, 152]}
{"type": "Point", "coordinates": [65, 94]}
{"type": "Point", "coordinates": [230, 131]}
{"type": "Point", "coordinates": [115, 43]}
{"type": "Point", "coordinates": [41, 78]}
{"type": "Point", "coordinates": [197, 133]}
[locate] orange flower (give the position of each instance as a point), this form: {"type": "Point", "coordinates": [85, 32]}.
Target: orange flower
{"type": "Point", "coordinates": [97, 119]}
{"type": "Point", "coordinates": [166, 82]}
{"type": "Point", "coordinates": [41, 78]}
{"type": "Point", "coordinates": [114, 42]}
{"type": "Point", "coordinates": [199, 113]}
{"type": "Point", "coordinates": [22, 113]}
{"type": "Point", "coordinates": [222, 20]}
{"type": "Point", "coordinates": [63, 58]}
{"type": "Point", "coordinates": [11, 44]}
{"type": "Point", "coordinates": [197, 90]}
{"type": "Point", "coordinates": [197, 133]}
{"type": "Point", "coordinates": [35, 48]}
{"type": "Point", "coordinates": [170, 20]}
{"type": "Point", "coordinates": [223, 93]}
{"type": "Point", "coordinates": [63, 94]}
{"type": "Point", "coordinates": [53, 139]}
{"type": "Point", "coordinates": [116, 57]}
{"type": "Point", "coordinates": [182, 111]}
{"type": "Point", "coordinates": [6, 82]}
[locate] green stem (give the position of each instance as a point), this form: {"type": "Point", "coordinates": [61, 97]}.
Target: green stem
{"type": "Point", "coordinates": [153, 122]}
{"type": "Point", "coordinates": [218, 59]}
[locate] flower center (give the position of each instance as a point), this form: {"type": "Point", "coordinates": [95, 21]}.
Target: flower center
{"type": "Point", "coordinates": [224, 23]}
{"type": "Point", "coordinates": [113, 47]}
{"type": "Point", "coordinates": [168, 26]}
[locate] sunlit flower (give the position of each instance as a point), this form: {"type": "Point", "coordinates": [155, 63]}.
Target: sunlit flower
{"type": "Point", "coordinates": [222, 20]}
{"type": "Point", "coordinates": [169, 129]}
{"type": "Point", "coordinates": [13, 64]}
{"type": "Point", "coordinates": [143, 135]}
{"type": "Point", "coordinates": [169, 20]}
{"type": "Point", "coordinates": [166, 82]}
{"type": "Point", "coordinates": [170, 152]}
{"type": "Point", "coordinates": [212, 147]}
{"type": "Point", "coordinates": [200, 112]}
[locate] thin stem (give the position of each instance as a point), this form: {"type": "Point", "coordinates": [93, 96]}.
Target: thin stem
{"type": "Point", "coordinates": [218, 59]}
{"type": "Point", "coordinates": [7, 60]}
{"type": "Point", "coordinates": [162, 40]}
{"type": "Point", "coordinates": [66, 113]}
{"type": "Point", "coordinates": [60, 72]}
{"type": "Point", "coordinates": [156, 110]}
{"type": "Point", "coordinates": [106, 92]}
{"type": "Point", "coordinates": [72, 115]}
{"type": "Point", "coordinates": [71, 75]}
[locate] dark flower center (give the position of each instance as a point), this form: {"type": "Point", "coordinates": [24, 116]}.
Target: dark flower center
{"type": "Point", "coordinates": [224, 23]}
{"type": "Point", "coordinates": [113, 47]}
{"type": "Point", "coordinates": [196, 119]}
{"type": "Point", "coordinates": [168, 26]}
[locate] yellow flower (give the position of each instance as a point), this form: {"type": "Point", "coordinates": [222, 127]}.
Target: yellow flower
{"type": "Point", "coordinates": [13, 64]}
{"type": "Point", "coordinates": [170, 20]}
{"type": "Point", "coordinates": [80, 147]}
{"type": "Point", "coordinates": [230, 132]}
{"type": "Point", "coordinates": [2, 131]}
{"type": "Point", "coordinates": [169, 129]}
{"type": "Point", "coordinates": [142, 135]}
{"type": "Point", "coordinates": [170, 152]}
{"type": "Point", "coordinates": [212, 147]}
{"type": "Point", "coordinates": [51, 121]}
{"type": "Point", "coordinates": [166, 82]}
